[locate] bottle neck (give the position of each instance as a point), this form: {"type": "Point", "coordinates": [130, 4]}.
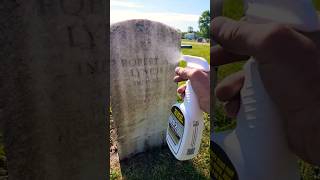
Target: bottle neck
{"type": "Point", "coordinates": [190, 99]}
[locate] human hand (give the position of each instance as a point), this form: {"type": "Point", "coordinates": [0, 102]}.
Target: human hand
{"type": "Point", "coordinates": [200, 82]}
{"type": "Point", "coordinates": [289, 66]}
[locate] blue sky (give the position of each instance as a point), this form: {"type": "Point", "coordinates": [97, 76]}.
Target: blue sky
{"type": "Point", "coordinates": [176, 13]}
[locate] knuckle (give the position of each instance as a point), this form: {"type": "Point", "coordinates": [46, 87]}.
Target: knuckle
{"type": "Point", "coordinates": [180, 71]}
{"type": "Point", "coordinates": [279, 36]}
{"type": "Point", "coordinates": [196, 73]}
{"type": "Point", "coordinates": [234, 32]}
{"type": "Point", "coordinates": [278, 30]}
{"type": "Point", "coordinates": [277, 33]}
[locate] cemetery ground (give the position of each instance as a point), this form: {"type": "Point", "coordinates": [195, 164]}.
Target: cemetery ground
{"type": "Point", "coordinates": [159, 163]}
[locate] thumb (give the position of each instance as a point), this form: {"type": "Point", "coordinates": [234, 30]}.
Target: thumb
{"type": "Point", "coordinates": [238, 37]}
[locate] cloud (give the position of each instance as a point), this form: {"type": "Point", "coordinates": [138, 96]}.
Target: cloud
{"type": "Point", "coordinates": [125, 3]}
{"type": "Point", "coordinates": [177, 20]}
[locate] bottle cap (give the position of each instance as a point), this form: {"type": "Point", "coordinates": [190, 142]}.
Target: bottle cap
{"type": "Point", "coordinates": [196, 62]}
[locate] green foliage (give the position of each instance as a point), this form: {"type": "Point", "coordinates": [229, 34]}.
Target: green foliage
{"type": "Point", "coordinates": [114, 175]}
{"type": "Point", "coordinates": [316, 4]}
{"type": "Point", "coordinates": [204, 24]}
{"type": "Point", "coordinates": [233, 9]}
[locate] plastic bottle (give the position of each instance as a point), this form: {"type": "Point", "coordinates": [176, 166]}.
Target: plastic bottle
{"type": "Point", "coordinates": [186, 124]}
{"type": "Point", "coordinates": [258, 148]}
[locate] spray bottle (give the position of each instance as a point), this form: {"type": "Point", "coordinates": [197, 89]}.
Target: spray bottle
{"type": "Point", "coordinates": [257, 147]}
{"type": "Point", "coordinates": [186, 124]}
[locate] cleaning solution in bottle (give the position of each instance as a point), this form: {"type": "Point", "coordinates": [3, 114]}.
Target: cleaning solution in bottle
{"type": "Point", "coordinates": [186, 124]}
{"type": "Point", "coordinates": [258, 148]}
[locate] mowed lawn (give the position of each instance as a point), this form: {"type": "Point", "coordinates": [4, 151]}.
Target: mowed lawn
{"type": "Point", "coordinates": [159, 163]}
{"type": "Point", "coordinates": [234, 9]}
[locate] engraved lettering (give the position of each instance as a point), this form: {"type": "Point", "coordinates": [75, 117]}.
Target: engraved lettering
{"type": "Point", "coordinates": [80, 36]}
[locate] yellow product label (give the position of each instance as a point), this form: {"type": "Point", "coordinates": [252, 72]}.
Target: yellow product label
{"type": "Point", "coordinates": [178, 114]}
{"type": "Point", "coordinates": [222, 167]}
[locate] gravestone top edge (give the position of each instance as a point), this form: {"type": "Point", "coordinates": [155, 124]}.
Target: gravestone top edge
{"type": "Point", "coordinates": [120, 23]}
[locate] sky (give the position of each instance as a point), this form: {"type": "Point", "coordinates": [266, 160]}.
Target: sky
{"type": "Point", "coordinates": [179, 14]}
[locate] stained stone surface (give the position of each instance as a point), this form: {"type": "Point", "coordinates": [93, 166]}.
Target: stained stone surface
{"type": "Point", "coordinates": [53, 89]}
{"type": "Point", "coordinates": [142, 87]}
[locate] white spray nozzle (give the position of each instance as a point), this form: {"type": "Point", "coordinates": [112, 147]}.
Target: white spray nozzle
{"type": "Point", "coordinates": [196, 62]}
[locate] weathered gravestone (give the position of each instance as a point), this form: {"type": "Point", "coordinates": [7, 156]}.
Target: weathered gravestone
{"type": "Point", "coordinates": [142, 87]}
{"type": "Point", "coordinates": [53, 80]}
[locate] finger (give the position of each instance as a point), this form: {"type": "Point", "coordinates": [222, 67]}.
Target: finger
{"type": "Point", "coordinates": [181, 89]}
{"type": "Point", "coordinates": [232, 107]}
{"type": "Point", "coordinates": [243, 38]}
{"type": "Point", "coordinates": [182, 95]}
{"type": "Point", "coordinates": [220, 56]}
{"type": "Point", "coordinates": [233, 35]}
{"type": "Point", "coordinates": [178, 79]}
{"type": "Point", "coordinates": [238, 37]}
{"type": "Point", "coordinates": [183, 73]}
{"type": "Point", "coordinates": [230, 87]}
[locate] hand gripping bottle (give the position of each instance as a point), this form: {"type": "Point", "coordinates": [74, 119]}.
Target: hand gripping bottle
{"type": "Point", "coordinates": [186, 119]}
{"type": "Point", "coordinates": [257, 149]}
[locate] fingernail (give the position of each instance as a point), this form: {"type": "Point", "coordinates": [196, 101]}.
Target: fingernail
{"type": "Point", "coordinates": [177, 69]}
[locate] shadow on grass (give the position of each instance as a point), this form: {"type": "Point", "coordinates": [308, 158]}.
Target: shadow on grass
{"type": "Point", "coordinates": [158, 164]}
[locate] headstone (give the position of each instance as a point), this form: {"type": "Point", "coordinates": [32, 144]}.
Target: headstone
{"type": "Point", "coordinates": [142, 87]}
{"type": "Point", "coordinates": [53, 80]}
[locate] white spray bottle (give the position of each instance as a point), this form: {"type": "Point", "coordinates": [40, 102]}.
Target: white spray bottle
{"type": "Point", "coordinates": [186, 124]}
{"type": "Point", "coordinates": [257, 148]}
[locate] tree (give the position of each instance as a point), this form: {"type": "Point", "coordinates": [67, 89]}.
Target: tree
{"type": "Point", "coordinates": [204, 24]}
{"type": "Point", "coordinates": [183, 34]}
{"type": "Point", "coordinates": [198, 34]}
{"type": "Point", "coordinates": [190, 29]}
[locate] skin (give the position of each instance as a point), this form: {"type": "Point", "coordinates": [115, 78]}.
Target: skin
{"type": "Point", "coordinates": [289, 65]}
{"type": "Point", "coordinates": [200, 82]}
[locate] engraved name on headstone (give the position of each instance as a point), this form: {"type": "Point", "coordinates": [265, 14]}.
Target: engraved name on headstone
{"type": "Point", "coordinates": [142, 87]}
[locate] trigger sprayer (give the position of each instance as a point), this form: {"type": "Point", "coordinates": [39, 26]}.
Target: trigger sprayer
{"type": "Point", "coordinates": [185, 123]}
{"type": "Point", "coordinates": [257, 148]}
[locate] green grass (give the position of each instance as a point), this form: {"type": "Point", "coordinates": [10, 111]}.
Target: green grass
{"type": "Point", "coordinates": [198, 49]}
{"type": "Point", "coordinates": [159, 163]}
{"type": "Point", "coordinates": [234, 9]}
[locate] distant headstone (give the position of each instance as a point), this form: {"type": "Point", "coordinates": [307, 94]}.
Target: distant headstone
{"type": "Point", "coordinates": [142, 87]}
{"type": "Point", "coordinates": [53, 80]}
